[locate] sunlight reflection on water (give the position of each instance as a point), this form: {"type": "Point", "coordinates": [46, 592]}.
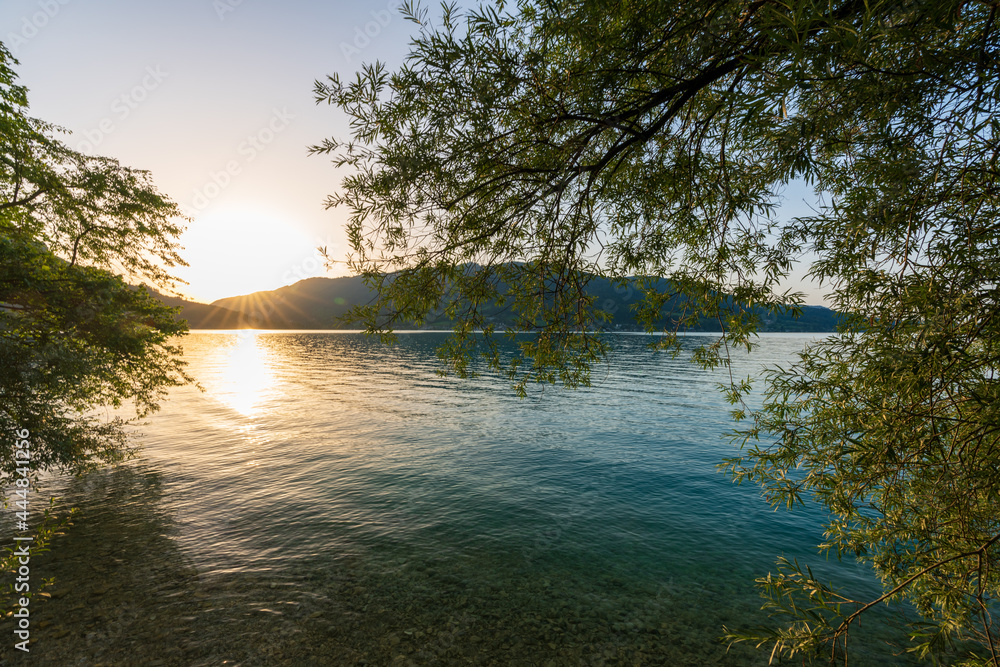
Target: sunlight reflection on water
{"type": "Point", "coordinates": [238, 372]}
{"type": "Point", "coordinates": [329, 486]}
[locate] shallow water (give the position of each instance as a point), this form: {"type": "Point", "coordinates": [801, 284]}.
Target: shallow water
{"type": "Point", "coordinates": [328, 500]}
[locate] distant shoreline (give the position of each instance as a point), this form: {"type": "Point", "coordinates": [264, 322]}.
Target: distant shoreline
{"type": "Point", "coordinates": [788, 334]}
{"type": "Point", "coordinates": [321, 304]}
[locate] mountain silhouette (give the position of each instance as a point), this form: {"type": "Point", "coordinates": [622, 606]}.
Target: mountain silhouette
{"type": "Point", "coordinates": [318, 303]}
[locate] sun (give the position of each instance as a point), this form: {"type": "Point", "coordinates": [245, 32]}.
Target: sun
{"type": "Point", "coordinates": [238, 253]}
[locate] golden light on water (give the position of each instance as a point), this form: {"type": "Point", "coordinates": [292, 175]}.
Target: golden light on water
{"type": "Point", "coordinates": [244, 376]}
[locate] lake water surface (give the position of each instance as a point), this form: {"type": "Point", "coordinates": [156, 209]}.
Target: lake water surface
{"type": "Point", "coordinates": [329, 500]}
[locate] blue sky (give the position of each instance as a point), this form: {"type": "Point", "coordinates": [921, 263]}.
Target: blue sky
{"type": "Point", "coordinates": [214, 97]}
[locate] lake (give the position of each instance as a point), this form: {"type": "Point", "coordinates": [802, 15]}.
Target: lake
{"type": "Point", "coordinates": [329, 500]}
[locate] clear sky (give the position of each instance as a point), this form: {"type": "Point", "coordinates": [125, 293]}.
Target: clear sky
{"type": "Point", "coordinates": [215, 98]}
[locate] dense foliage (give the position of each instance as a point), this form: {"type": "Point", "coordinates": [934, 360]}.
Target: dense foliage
{"type": "Point", "coordinates": [75, 338]}
{"type": "Point", "coordinates": [519, 151]}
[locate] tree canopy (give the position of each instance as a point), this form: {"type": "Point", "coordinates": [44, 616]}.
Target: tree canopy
{"type": "Point", "coordinates": [521, 150]}
{"type": "Point", "coordinates": [75, 337]}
